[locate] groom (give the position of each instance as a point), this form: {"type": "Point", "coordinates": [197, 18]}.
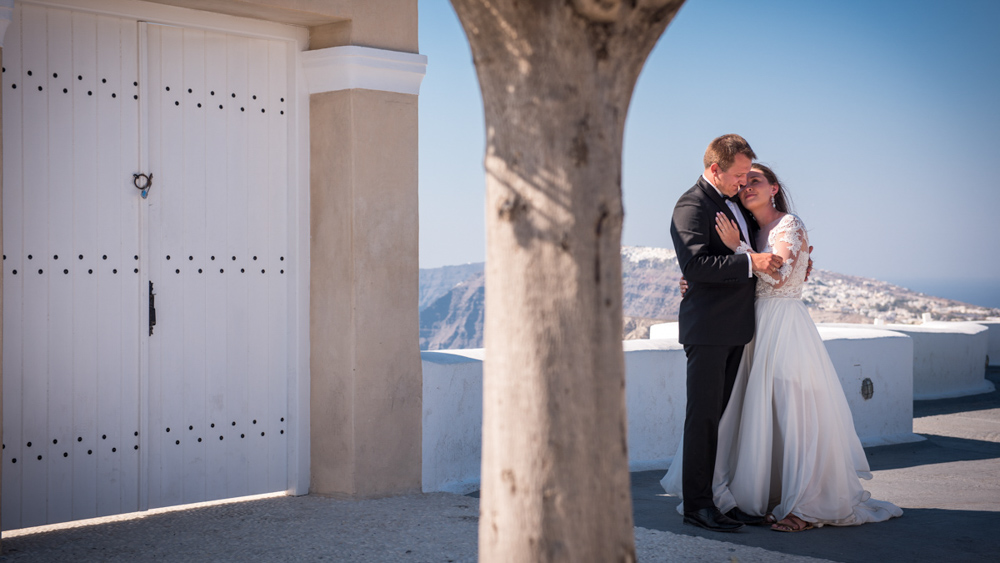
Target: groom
{"type": "Point", "coordinates": [716, 317]}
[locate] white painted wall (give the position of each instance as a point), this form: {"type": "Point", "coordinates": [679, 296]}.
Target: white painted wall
{"type": "Point", "coordinates": [655, 397]}
{"type": "Point", "coordinates": [664, 331]}
{"type": "Point", "coordinates": [860, 352]}
{"type": "Point", "coordinates": [993, 346]}
{"type": "Point", "coordinates": [452, 420]}
{"type": "Point", "coordinates": [949, 359]}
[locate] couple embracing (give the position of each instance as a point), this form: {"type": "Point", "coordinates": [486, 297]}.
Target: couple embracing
{"type": "Point", "coordinates": [768, 435]}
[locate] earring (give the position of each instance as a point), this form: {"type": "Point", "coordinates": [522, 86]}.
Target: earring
{"type": "Point", "coordinates": [772, 201]}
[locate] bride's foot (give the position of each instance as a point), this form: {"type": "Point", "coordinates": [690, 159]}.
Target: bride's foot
{"type": "Point", "coordinates": [792, 523]}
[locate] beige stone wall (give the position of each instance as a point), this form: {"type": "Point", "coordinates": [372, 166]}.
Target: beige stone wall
{"type": "Point", "coordinates": [384, 24]}
{"type": "Point", "coordinates": [365, 396]}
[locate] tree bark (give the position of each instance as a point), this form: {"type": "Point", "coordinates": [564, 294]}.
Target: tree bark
{"type": "Point", "coordinates": [556, 77]}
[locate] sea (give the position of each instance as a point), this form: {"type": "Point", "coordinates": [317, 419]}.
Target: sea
{"type": "Point", "coordinates": [985, 293]}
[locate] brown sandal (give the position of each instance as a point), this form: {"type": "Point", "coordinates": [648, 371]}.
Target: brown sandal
{"type": "Point", "coordinates": [792, 524]}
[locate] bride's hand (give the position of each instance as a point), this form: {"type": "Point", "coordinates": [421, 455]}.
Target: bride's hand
{"type": "Point", "coordinates": [727, 230]}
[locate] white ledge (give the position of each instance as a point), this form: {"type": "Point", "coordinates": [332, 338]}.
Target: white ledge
{"type": "Point", "coordinates": [349, 67]}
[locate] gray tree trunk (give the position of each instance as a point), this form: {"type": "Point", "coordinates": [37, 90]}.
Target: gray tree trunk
{"type": "Point", "coordinates": [556, 77]}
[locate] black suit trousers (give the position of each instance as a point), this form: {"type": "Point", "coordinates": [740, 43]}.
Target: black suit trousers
{"type": "Point", "coordinates": [711, 374]}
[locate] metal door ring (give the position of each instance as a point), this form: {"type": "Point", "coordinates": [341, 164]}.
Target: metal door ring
{"type": "Point", "coordinates": [146, 181]}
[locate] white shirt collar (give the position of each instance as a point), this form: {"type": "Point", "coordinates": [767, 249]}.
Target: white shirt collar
{"type": "Point", "coordinates": [715, 188]}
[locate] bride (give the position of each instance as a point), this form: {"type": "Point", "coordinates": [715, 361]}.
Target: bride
{"type": "Point", "coordinates": [787, 446]}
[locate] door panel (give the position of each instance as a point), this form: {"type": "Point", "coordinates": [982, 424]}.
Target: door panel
{"type": "Point", "coordinates": [71, 279]}
{"type": "Point", "coordinates": [218, 368]}
{"type": "Point", "coordinates": [212, 392]}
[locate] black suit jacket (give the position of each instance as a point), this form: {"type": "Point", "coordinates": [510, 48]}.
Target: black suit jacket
{"type": "Point", "coordinates": [718, 308]}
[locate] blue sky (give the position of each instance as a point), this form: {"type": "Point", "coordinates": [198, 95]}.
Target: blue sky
{"type": "Point", "coordinates": [880, 116]}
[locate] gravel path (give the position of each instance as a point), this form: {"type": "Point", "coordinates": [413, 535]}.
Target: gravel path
{"type": "Point", "coordinates": [436, 527]}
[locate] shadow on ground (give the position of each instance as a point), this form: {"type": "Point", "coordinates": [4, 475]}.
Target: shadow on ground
{"type": "Point", "coordinates": [936, 449]}
{"type": "Point", "coordinates": [984, 401]}
{"type": "Point", "coordinates": [921, 534]}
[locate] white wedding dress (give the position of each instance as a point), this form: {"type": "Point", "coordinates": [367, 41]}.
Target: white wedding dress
{"type": "Point", "coordinates": [787, 443]}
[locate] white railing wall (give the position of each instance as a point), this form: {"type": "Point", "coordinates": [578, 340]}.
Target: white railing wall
{"type": "Point", "coordinates": [861, 353]}
{"type": "Point", "coordinates": [452, 420]}
{"type": "Point", "coordinates": [993, 348]}
{"type": "Point", "coordinates": [655, 397]}
{"type": "Point", "coordinates": [949, 359]}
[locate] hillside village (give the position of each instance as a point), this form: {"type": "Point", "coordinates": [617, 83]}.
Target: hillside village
{"type": "Point", "coordinates": [452, 307]}
{"type": "Point", "coordinates": [863, 300]}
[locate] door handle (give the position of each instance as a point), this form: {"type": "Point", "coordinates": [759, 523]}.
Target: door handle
{"type": "Point", "coordinates": [152, 309]}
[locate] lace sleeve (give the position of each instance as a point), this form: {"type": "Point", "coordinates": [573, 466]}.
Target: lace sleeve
{"type": "Point", "coordinates": [743, 248]}
{"type": "Point", "coordinates": [786, 240]}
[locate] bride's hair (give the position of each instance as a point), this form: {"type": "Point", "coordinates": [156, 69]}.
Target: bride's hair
{"type": "Point", "coordinates": [781, 201]}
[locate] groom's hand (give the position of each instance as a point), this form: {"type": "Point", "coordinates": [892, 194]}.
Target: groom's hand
{"type": "Point", "coordinates": [766, 262]}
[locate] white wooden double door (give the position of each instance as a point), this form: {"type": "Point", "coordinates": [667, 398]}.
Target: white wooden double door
{"type": "Point", "coordinates": [101, 415]}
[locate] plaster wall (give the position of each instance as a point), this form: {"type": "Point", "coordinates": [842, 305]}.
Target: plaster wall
{"type": "Point", "coordinates": [857, 352]}
{"type": "Point", "coordinates": [993, 341]}
{"type": "Point", "coordinates": [949, 359]}
{"type": "Point", "coordinates": [655, 391]}
{"type": "Point", "coordinates": [655, 398]}
{"type": "Point", "coordinates": [886, 358]}
{"type": "Point", "coordinates": [365, 382]}
{"type": "Point", "coordinates": [385, 24]}
{"type": "Point", "coordinates": [452, 420]}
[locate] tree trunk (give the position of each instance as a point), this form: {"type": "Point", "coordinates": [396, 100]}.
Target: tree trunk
{"type": "Point", "coordinates": [556, 77]}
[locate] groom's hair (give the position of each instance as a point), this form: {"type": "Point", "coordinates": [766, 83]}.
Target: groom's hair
{"type": "Point", "coordinates": [723, 150]}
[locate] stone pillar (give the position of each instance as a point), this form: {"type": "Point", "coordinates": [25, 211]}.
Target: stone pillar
{"type": "Point", "coordinates": [6, 14]}
{"type": "Point", "coordinates": [365, 383]}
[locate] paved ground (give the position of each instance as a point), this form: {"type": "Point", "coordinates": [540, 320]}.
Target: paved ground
{"type": "Point", "coordinates": [948, 486]}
